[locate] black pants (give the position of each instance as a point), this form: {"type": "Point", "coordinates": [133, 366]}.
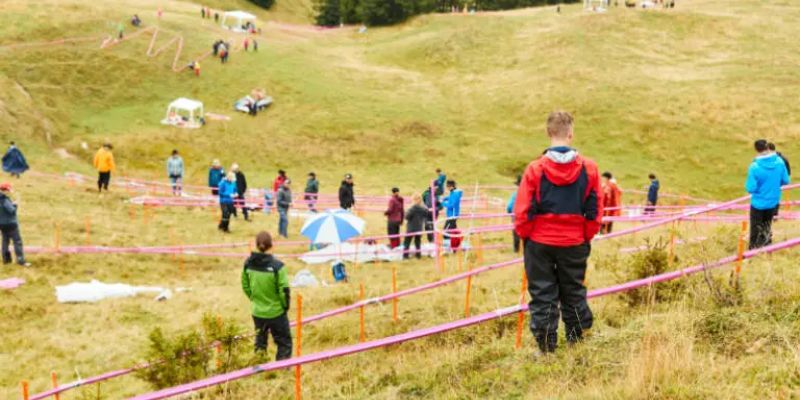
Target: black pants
{"type": "Point", "coordinates": [241, 203]}
{"type": "Point", "coordinates": [516, 241]}
{"type": "Point", "coordinates": [311, 199]}
{"type": "Point", "coordinates": [606, 227]}
{"type": "Point", "coordinates": [281, 334]}
{"type": "Point", "coordinates": [214, 191]}
{"type": "Point", "coordinates": [429, 228]}
{"type": "Point", "coordinates": [393, 228]}
{"type": "Point", "coordinates": [103, 179]}
{"type": "Point", "coordinates": [761, 227]}
{"type": "Point", "coordinates": [11, 234]}
{"type": "Point", "coordinates": [449, 224]}
{"type": "Point", "coordinates": [407, 244]}
{"type": "Point", "coordinates": [555, 283]}
{"type": "Point", "coordinates": [225, 221]}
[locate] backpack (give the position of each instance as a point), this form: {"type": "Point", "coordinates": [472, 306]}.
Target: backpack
{"type": "Point", "coordinates": [339, 273]}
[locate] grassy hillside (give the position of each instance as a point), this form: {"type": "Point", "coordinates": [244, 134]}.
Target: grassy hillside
{"type": "Point", "coordinates": [680, 93]}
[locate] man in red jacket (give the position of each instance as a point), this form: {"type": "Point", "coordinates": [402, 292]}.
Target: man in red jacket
{"type": "Point", "coordinates": [557, 213]}
{"type": "Point", "coordinates": [394, 215]}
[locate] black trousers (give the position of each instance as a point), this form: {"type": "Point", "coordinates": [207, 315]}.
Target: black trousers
{"type": "Point", "coordinates": [407, 244]}
{"type": "Point", "coordinates": [281, 334]}
{"type": "Point", "coordinates": [516, 241]}
{"type": "Point", "coordinates": [225, 221]}
{"type": "Point", "coordinates": [311, 200]}
{"type": "Point", "coordinates": [240, 202]}
{"type": "Point", "coordinates": [761, 227]}
{"type": "Point", "coordinates": [429, 228]}
{"type": "Point", "coordinates": [449, 224]}
{"type": "Point", "coordinates": [555, 283]}
{"type": "Point", "coordinates": [103, 179]}
{"type": "Point", "coordinates": [11, 234]}
{"type": "Point", "coordinates": [393, 228]}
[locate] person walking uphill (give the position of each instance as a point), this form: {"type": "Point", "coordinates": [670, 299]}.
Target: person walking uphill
{"type": "Point", "coordinates": [227, 191]}
{"type": "Point", "coordinates": [241, 190]}
{"type": "Point", "coordinates": [611, 198]}
{"type": "Point", "coordinates": [347, 198]}
{"type": "Point", "coordinates": [284, 201]}
{"type": "Point", "coordinates": [652, 195]}
{"type": "Point", "coordinates": [510, 210]}
{"type": "Point", "coordinates": [9, 227]}
{"type": "Point", "coordinates": [14, 161]}
{"type": "Point", "coordinates": [104, 164]}
{"type": "Point", "coordinates": [215, 175]}
{"type": "Point", "coordinates": [766, 175]}
{"type": "Point", "coordinates": [394, 216]}
{"type": "Point", "coordinates": [175, 172]}
{"type": "Point", "coordinates": [557, 213]}
{"type": "Point", "coordinates": [266, 283]}
{"type": "Point", "coordinates": [416, 216]}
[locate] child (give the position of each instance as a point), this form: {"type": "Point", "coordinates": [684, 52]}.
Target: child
{"type": "Point", "coordinates": [266, 284]}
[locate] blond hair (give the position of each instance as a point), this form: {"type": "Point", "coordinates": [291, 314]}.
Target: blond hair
{"type": "Point", "coordinates": [559, 124]}
{"type": "Point", "coordinates": [416, 198]}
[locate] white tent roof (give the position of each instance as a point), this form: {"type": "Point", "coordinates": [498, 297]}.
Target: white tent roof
{"type": "Point", "coordinates": [239, 15]}
{"type": "Point", "coordinates": [186, 104]}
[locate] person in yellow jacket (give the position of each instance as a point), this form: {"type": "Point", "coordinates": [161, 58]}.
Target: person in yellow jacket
{"type": "Point", "coordinates": [104, 163]}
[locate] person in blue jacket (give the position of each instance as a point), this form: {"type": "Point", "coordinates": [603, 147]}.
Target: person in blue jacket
{"type": "Point", "coordinates": [14, 162]}
{"type": "Point", "coordinates": [227, 191]}
{"type": "Point", "coordinates": [452, 204]}
{"type": "Point", "coordinates": [215, 175]}
{"type": "Point", "coordinates": [766, 175]}
{"type": "Point", "coordinates": [510, 210]}
{"type": "Point", "coordinates": [652, 195]}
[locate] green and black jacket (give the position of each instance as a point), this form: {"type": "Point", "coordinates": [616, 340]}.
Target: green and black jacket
{"type": "Point", "coordinates": [266, 284]}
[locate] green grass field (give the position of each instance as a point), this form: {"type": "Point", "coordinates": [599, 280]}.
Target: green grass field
{"type": "Point", "coordinates": [681, 93]}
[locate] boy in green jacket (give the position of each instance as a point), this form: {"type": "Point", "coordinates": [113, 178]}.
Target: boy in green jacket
{"type": "Point", "coordinates": [266, 284]}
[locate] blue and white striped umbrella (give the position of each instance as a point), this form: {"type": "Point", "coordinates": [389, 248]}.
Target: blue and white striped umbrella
{"type": "Point", "coordinates": [332, 226]}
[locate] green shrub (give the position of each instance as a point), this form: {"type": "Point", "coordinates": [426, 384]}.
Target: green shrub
{"type": "Point", "coordinates": [265, 4]}
{"type": "Point", "coordinates": [644, 264]}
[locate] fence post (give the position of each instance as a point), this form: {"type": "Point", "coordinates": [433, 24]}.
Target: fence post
{"type": "Point", "coordinates": [521, 315]}
{"type": "Point", "coordinates": [671, 246]}
{"type": "Point", "coordinates": [466, 298]}
{"type": "Point", "coordinates": [217, 354]}
{"type": "Point", "coordinates": [25, 392]}
{"type": "Point", "coordinates": [55, 384]}
{"type": "Point", "coordinates": [298, 389]}
{"type": "Point", "coordinates": [58, 238]}
{"type": "Point", "coordinates": [88, 223]}
{"type": "Point", "coordinates": [394, 291]}
{"type": "Point", "coordinates": [740, 251]}
{"type": "Point", "coordinates": [362, 337]}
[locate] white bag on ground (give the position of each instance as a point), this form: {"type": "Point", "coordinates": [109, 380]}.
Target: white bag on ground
{"type": "Point", "coordinates": [93, 291]}
{"type": "Point", "coordinates": [304, 278]}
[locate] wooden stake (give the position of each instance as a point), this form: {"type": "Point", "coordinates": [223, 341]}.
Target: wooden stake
{"type": "Point", "coordinates": [671, 246]}
{"type": "Point", "coordinates": [88, 223]}
{"type": "Point", "coordinates": [362, 336]}
{"type": "Point", "coordinates": [521, 315]}
{"type": "Point", "coordinates": [217, 355]}
{"type": "Point", "coordinates": [298, 389]}
{"type": "Point", "coordinates": [740, 250]}
{"type": "Point", "coordinates": [58, 238]}
{"type": "Point", "coordinates": [394, 291]}
{"type": "Point", "coordinates": [466, 298]}
{"type": "Point", "coordinates": [25, 391]}
{"type": "Point", "coordinates": [56, 396]}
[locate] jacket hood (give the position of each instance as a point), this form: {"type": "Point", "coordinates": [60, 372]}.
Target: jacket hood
{"type": "Point", "coordinates": [263, 259]}
{"type": "Point", "coordinates": [344, 183]}
{"type": "Point", "coordinates": [562, 166]}
{"type": "Point", "coordinates": [768, 161]}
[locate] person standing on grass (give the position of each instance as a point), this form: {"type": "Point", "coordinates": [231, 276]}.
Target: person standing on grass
{"type": "Point", "coordinates": [14, 161]}
{"type": "Point", "coordinates": [347, 197]}
{"type": "Point", "coordinates": [557, 213]}
{"type": "Point", "coordinates": [104, 164]}
{"type": "Point", "coordinates": [241, 190]}
{"type": "Point", "coordinates": [284, 201]}
{"type": "Point", "coordinates": [265, 282]}
{"type": "Point", "coordinates": [612, 198]}
{"type": "Point", "coordinates": [9, 227]}
{"type": "Point", "coordinates": [279, 180]}
{"type": "Point", "coordinates": [426, 200]}
{"type": "Point", "coordinates": [215, 175]}
{"type": "Point", "coordinates": [227, 191]}
{"type": "Point", "coordinates": [510, 210]}
{"type": "Point", "coordinates": [766, 175]}
{"type": "Point", "coordinates": [771, 148]}
{"type": "Point", "coordinates": [416, 217]}
{"type": "Point", "coordinates": [394, 216]}
{"type": "Point", "coordinates": [175, 172]}
{"type": "Point", "coordinates": [452, 204]}
{"type": "Point", "coordinates": [311, 191]}
{"type": "Point", "coordinates": [439, 182]}
{"type": "Point", "coordinates": [652, 195]}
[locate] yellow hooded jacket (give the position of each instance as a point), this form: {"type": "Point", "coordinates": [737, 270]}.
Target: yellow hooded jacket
{"type": "Point", "coordinates": [104, 160]}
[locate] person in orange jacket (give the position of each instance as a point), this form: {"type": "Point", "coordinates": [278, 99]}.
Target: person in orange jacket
{"type": "Point", "coordinates": [612, 198]}
{"type": "Point", "coordinates": [104, 164]}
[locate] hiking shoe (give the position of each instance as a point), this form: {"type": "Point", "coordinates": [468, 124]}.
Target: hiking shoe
{"type": "Point", "coordinates": [25, 264]}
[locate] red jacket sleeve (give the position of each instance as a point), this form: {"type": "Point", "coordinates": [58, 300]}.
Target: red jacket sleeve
{"type": "Point", "coordinates": [526, 193]}
{"type": "Point", "coordinates": [594, 203]}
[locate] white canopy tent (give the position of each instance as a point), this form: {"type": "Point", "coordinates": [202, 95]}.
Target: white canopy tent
{"type": "Point", "coordinates": [185, 113]}
{"type": "Point", "coordinates": [236, 20]}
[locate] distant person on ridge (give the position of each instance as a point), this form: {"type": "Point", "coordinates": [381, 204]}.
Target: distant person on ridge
{"type": "Point", "coordinates": [104, 164]}
{"type": "Point", "coordinates": [266, 283]}
{"type": "Point", "coordinates": [441, 179]}
{"type": "Point", "coordinates": [311, 192]}
{"type": "Point", "coordinates": [347, 197]}
{"type": "Point", "coordinates": [215, 175]}
{"type": "Point", "coordinates": [452, 204]}
{"type": "Point", "coordinates": [9, 227]}
{"type": "Point", "coordinates": [14, 161]}
{"type": "Point", "coordinates": [175, 172]}
{"type": "Point", "coordinates": [612, 198]}
{"type": "Point", "coordinates": [416, 216]}
{"type": "Point", "coordinates": [227, 191]}
{"type": "Point", "coordinates": [241, 191]}
{"type": "Point", "coordinates": [510, 210]}
{"type": "Point", "coordinates": [652, 195]}
{"type": "Point", "coordinates": [557, 213]}
{"type": "Point", "coordinates": [435, 209]}
{"type": "Point", "coordinates": [771, 148]}
{"type": "Point", "coordinates": [766, 175]}
{"type": "Point", "coordinates": [284, 201]}
{"type": "Point", "coordinates": [394, 218]}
